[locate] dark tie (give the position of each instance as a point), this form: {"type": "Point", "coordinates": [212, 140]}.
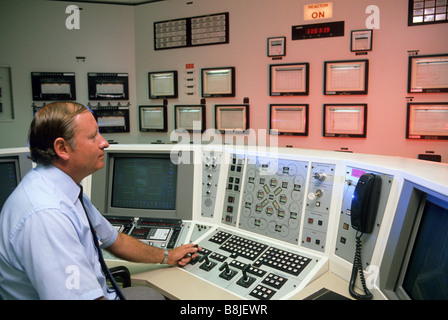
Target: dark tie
{"type": "Point", "coordinates": [100, 254]}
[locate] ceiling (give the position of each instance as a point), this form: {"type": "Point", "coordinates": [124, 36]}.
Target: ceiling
{"type": "Point", "coordinates": [120, 2]}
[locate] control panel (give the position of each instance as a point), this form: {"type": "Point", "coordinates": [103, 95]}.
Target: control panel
{"type": "Point", "coordinates": [273, 197]}
{"type": "Point", "coordinates": [158, 232]}
{"type": "Point", "coordinates": [345, 242]}
{"type": "Point", "coordinates": [162, 233]}
{"type": "Point", "coordinates": [122, 224]}
{"type": "Point", "coordinates": [250, 268]}
{"type": "Point", "coordinates": [317, 210]}
{"type": "Point", "coordinates": [233, 183]}
{"type": "Point", "coordinates": [211, 164]}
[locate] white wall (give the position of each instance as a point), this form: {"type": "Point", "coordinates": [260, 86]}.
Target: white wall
{"type": "Point", "coordinates": [116, 38]}
{"type": "Point", "coordinates": [33, 37]}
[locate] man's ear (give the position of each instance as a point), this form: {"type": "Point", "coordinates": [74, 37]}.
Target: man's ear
{"type": "Point", "coordinates": [61, 148]}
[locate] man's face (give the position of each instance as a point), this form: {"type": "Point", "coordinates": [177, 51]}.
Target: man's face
{"type": "Point", "coordinates": [88, 154]}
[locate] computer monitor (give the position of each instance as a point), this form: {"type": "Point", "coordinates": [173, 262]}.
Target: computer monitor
{"type": "Point", "coordinates": [14, 164]}
{"type": "Point", "coordinates": [415, 262]}
{"type": "Point", "coordinates": [144, 184]}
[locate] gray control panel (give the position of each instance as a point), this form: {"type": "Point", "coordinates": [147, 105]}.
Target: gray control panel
{"type": "Point", "coordinates": [211, 164]}
{"type": "Point", "coordinates": [233, 183]}
{"type": "Point", "coordinates": [273, 197]}
{"type": "Point", "coordinates": [345, 242]}
{"type": "Point", "coordinates": [320, 189]}
{"type": "Point", "coordinates": [250, 268]}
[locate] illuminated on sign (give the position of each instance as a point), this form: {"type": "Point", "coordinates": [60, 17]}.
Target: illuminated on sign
{"type": "Point", "coordinates": [318, 11]}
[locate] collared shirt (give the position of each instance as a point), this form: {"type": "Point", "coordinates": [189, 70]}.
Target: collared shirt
{"type": "Point", "coordinates": [46, 246]}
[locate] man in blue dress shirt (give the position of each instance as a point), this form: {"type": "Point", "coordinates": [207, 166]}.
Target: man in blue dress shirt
{"type": "Point", "coordinates": [46, 246]}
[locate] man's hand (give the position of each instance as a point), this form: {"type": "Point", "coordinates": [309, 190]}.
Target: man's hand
{"type": "Point", "coordinates": [131, 249]}
{"type": "Point", "coordinates": [183, 254]}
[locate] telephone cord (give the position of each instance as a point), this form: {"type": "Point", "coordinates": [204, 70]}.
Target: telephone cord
{"type": "Point", "coordinates": [357, 268]}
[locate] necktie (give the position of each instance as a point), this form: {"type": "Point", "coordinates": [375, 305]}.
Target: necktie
{"type": "Point", "coordinates": [100, 254]}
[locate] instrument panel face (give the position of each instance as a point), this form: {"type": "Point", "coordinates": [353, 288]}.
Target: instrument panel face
{"type": "Point", "coordinates": [273, 197]}
{"type": "Point", "coordinates": [266, 223]}
{"type": "Point", "coordinates": [250, 268]}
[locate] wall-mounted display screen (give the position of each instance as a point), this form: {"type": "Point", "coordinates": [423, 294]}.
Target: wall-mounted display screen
{"type": "Point", "coordinates": [190, 32]}
{"type": "Point", "coordinates": [53, 86]}
{"type": "Point", "coordinates": [232, 117]}
{"type": "Point", "coordinates": [276, 46]}
{"type": "Point", "coordinates": [288, 119]}
{"type": "Point", "coordinates": [190, 117]}
{"type": "Point", "coordinates": [162, 84]}
{"type": "Point", "coordinates": [153, 118]}
{"type": "Point", "coordinates": [427, 120]}
{"type": "Point", "coordinates": [108, 86]}
{"type": "Point", "coordinates": [288, 79]}
{"type": "Point", "coordinates": [345, 120]}
{"type": "Point", "coordinates": [218, 82]}
{"type": "Point", "coordinates": [112, 119]}
{"type": "Point", "coordinates": [361, 40]}
{"type": "Point", "coordinates": [428, 73]}
{"type": "Point", "coordinates": [346, 77]}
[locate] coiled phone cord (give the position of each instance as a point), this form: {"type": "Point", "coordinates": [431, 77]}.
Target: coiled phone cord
{"type": "Point", "coordinates": [357, 267]}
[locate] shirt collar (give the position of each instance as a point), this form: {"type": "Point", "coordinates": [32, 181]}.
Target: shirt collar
{"type": "Point", "coordinates": [60, 179]}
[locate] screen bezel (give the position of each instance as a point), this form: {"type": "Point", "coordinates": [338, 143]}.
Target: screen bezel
{"type": "Point", "coordinates": [413, 85]}
{"type": "Point", "coordinates": [15, 162]}
{"type": "Point", "coordinates": [168, 213]}
{"type": "Point", "coordinates": [93, 78]}
{"type": "Point", "coordinates": [206, 92]}
{"type": "Point", "coordinates": [242, 108]}
{"type": "Point", "coordinates": [362, 120]}
{"type": "Point", "coordinates": [275, 108]}
{"type": "Point", "coordinates": [164, 124]}
{"type": "Point", "coordinates": [21, 158]}
{"type": "Point", "coordinates": [66, 77]}
{"type": "Point", "coordinates": [149, 157]}
{"type": "Point", "coordinates": [402, 236]}
{"type": "Point", "coordinates": [179, 111]}
{"type": "Point", "coordinates": [361, 87]}
{"type": "Point", "coordinates": [153, 83]}
{"type": "Point", "coordinates": [102, 184]}
{"type": "Point", "coordinates": [274, 70]}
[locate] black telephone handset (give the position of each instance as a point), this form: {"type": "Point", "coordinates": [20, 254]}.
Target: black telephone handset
{"type": "Point", "coordinates": [364, 208]}
{"type": "Point", "coordinates": [365, 202]}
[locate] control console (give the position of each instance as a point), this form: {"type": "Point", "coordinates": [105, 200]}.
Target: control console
{"type": "Point", "coordinates": [250, 268]}
{"type": "Point", "coordinates": [162, 233]}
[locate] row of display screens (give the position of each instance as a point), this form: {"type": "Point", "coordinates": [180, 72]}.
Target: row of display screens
{"type": "Point", "coordinates": [427, 73]}
{"type": "Point", "coordinates": [424, 120]}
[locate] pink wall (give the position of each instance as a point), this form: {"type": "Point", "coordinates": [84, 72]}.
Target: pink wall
{"type": "Point", "coordinates": [252, 21]}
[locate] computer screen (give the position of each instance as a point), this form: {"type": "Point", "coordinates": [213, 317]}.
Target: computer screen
{"type": "Point", "coordinates": [14, 165]}
{"type": "Point", "coordinates": [426, 276]}
{"type": "Point", "coordinates": [8, 178]}
{"type": "Point", "coordinates": [108, 86]}
{"type": "Point", "coordinates": [144, 183]}
{"type": "Point", "coordinates": [415, 261]}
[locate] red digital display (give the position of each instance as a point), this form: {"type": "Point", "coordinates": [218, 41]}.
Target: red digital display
{"type": "Point", "coordinates": [319, 30]}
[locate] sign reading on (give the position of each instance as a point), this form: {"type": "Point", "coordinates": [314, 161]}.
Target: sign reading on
{"type": "Point", "coordinates": [318, 11]}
